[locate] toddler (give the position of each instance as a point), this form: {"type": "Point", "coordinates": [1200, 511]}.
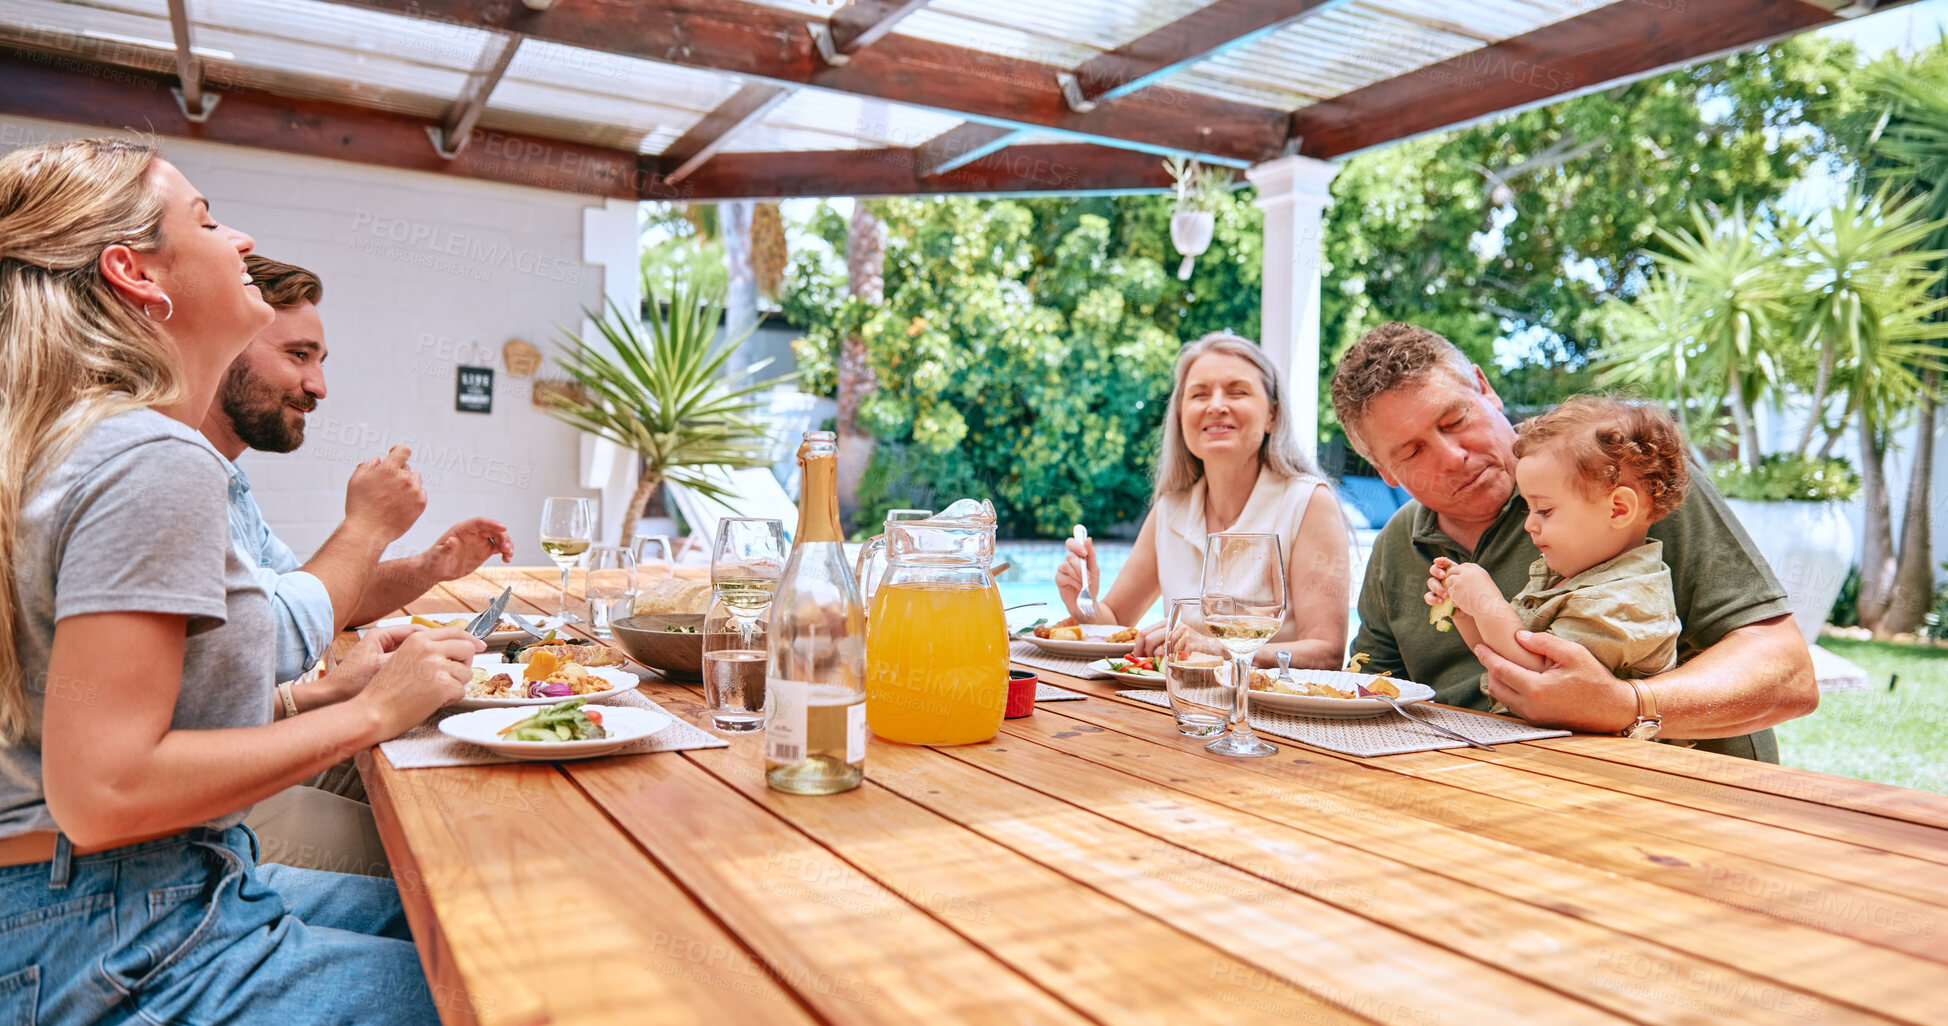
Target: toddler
{"type": "Point", "coordinates": [1596, 473]}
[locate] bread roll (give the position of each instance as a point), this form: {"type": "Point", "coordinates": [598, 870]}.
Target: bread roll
{"type": "Point", "coordinates": [674, 595]}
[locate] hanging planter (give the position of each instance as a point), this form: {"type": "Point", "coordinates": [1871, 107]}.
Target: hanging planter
{"type": "Point", "coordinates": [1200, 193]}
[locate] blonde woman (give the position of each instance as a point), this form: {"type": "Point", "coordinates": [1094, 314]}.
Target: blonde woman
{"type": "Point", "coordinates": [1230, 462]}
{"type": "Point", "coordinates": [136, 648]}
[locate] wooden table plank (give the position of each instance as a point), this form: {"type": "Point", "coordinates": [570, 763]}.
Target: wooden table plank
{"type": "Point", "coordinates": [1889, 919]}
{"type": "Point", "coordinates": [1785, 781]}
{"type": "Point", "coordinates": [1739, 952]}
{"type": "Point", "coordinates": [1336, 954]}
{"type": "Point", "coordinates": [1111, 962]}
{"type": "Point", "coordinates": [854, 950]}
{"type": "Point", "coordinates": [1929, 844]}
{"type": "Point", "coordinates": [512, 884]}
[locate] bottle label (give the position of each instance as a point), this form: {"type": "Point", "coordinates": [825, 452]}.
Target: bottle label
{"type": "Point", "coordinates": [855, 733]}
{"type": "Point", "coordinates": [787, 707]}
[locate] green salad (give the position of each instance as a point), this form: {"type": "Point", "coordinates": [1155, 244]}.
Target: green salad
{"type": "Point", "coordinates": [567, 721]}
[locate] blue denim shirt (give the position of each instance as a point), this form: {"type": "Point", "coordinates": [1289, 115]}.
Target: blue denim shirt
{"type": "Point", "coordinates": [299, 600]}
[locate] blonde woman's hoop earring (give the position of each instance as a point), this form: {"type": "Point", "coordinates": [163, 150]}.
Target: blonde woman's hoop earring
{"type": "Point", "coordinates": [168, 309]}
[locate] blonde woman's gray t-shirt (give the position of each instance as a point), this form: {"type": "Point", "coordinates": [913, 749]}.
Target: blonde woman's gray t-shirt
{"type": "Point", "coordinates": [135, 520]}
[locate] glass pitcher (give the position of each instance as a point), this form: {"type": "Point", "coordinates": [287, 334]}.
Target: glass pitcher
{"type": "Point", "coordinates": [937, 644]}
{"type": "Point", "coordinates": [871, 566]}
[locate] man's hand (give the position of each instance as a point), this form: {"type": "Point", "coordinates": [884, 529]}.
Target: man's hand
{"type": "Point", "coordinates": [1574, 691]}
{"type": "Point", "coordinates": [385, 495]}
{"type": "Point", "coordinates": [465, 546]}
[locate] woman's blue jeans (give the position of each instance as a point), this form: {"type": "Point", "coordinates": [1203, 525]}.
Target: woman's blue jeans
{"type": "Point", "coordinates": [189, 929]}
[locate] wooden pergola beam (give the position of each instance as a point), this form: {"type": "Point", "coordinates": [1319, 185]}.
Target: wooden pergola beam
{"type": "Point", "coordinates": [57, 87]}
{"type": "Point", "coordinates": [959, 146]}
{"type": "Point", "coordinates": [189, 67]}
{"type": "Point", "coordinates": [457, 127]}
{"type": "Point", "coordinates": [1618, 42]}
{"type": "Point", "coordinates": [1066, 169]}
{"type": "Point", "coordinates": [1207, 32]}
{"type": "Point", "coordinates": [862, 23]}
{"type": "Point", "coordinates": [756, 41]}
{"type": "Point", "coordinates": [747, 106]}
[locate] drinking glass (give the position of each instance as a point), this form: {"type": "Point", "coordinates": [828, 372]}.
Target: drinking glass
{"type": "Point", "coordinates": [1243, 600]}
{"type": "Point", "coordinates": [567, 528]}
{"type": "Point", "coordinates": [746, 563]}
{"type": "Point", "coordinates": [1196, 671]}
{"type": "Point", "coordinates": [734, 657]}
{"type": "Point", "coordinates": [654, 550]}
{"type": "Point", "coordinates": [611, 579]}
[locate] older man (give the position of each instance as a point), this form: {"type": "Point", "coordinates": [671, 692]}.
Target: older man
{"type": "Point", "coordinates": [1427, 418]}
{"type": "Point", "coordinates": [262, 405]}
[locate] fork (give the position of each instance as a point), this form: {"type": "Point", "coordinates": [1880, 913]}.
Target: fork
{"type": "Point", "coordinates": [1430, 724]}
{"type": "Point", "coordinates": [1085, 600]}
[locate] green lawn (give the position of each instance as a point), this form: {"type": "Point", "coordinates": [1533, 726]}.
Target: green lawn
{"type": "Point", "coordinates": [1893, 737]}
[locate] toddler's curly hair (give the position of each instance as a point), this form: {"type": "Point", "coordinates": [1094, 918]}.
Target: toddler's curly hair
{"type": "Point", "coordinates": [1610, 442]}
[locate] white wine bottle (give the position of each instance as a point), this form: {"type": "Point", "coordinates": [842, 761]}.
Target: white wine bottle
{"type": "Point", "coordinates": [815, 678]}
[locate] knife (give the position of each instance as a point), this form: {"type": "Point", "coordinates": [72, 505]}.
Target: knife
{"type": "Point", "coordinates": [483, 625]}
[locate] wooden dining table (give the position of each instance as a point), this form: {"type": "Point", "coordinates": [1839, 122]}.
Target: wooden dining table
{"type": "Point", "coordinates": [1091, 865]}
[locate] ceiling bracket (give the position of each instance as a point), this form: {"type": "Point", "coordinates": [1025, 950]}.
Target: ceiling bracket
{"type": "Point", "coordinates": [1072, 93]}
{"type": "Point", "coordinates": [441, 146]}
{"type": "Point", "coordinates": [828, 50]}
{"type": "Point", "coordinates": [196, 117]}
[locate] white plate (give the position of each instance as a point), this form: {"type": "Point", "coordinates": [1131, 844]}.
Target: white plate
{"type": "Point", "coordinates": [620, 680]}
{"type": "Point", "coordinates": [625, 723]}
{"type": "Point", "coordinates": [1085, 649]}
{"type": "Point", "coordinates": [1141, 680]}
{"type": "Point", "coordinates": [1338, 708]}
{"type": "Point", "coordinates": [503, 635]}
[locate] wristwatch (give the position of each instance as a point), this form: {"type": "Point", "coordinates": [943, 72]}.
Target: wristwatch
{"type": "Point", "coordinates": [1648, 722]}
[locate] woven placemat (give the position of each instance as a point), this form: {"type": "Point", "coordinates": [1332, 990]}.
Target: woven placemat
{"type": "Point", "coordinates": [1391, 734]}
{"type": "Point", "coordinates": [1028, 655]}
{"type": "Point", "coordinates": [1051, 693]}
{"type": "Point", "coordinates": [424, 746]}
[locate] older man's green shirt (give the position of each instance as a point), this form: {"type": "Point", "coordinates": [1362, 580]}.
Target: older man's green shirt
{"type": "Point", "coordinates": [1720, 581]}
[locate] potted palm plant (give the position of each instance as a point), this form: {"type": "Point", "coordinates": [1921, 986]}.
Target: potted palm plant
{"type": "Point", "coordinates": [665, 397]}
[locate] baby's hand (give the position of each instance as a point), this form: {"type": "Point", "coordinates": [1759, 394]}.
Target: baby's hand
{"type": "Point", "coordinates": [1437, 584]}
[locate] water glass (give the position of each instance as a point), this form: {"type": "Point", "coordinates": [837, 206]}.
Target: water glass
{"type": "Point", "coordinates": [1196, 672]}
{"type": "Point", "coordinates": [734, 656]}
{"type": "Point", "coordinates": [611, 585]}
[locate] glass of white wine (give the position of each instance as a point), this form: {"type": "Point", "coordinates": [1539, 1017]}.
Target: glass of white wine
{"type": "Point", "coordinates": [567, 530]}
{"type": "Point", "coordinates": [746, 563]}
{"type": "Point", "coordinates": [1243, 601]}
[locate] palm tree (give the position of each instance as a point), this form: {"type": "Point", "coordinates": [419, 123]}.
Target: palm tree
{"type": "Point", "coordinates": [1909, 147]}
{"type": "Point", "coordinates": [1738, 294]}
{"type": "Point", "coordinates": [666, 397]}
{"type": "Point", "coordinates": [1654, 347]}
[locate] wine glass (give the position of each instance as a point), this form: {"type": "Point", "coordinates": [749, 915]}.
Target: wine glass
{"type": "Point", "coordinates": [611, 578]}
{"type": "Point", "coordinates": [1243, 601]}
{"type": "Point", "coordinates": [1196, 673]}
{"type": "Point", "coordinates": [567, 528]}
{"type": "Point", "coordinates": [746, 563]}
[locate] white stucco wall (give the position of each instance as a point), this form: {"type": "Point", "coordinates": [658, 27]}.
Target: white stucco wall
{"type": "Point", "coordinates": [422, 273]}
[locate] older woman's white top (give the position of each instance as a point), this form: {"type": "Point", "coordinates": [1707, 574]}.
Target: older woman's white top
{"type": "Point", "coordinates": [1277, 506]}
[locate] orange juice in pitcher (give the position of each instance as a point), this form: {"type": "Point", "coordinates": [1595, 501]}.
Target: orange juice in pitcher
{"type": "Point", "coordinates": [936, 641]}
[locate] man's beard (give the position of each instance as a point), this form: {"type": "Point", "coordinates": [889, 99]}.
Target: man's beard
{"type": "Point", "coordinates": [256, 412]}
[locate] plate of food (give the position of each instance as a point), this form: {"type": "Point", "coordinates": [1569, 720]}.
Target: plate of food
{"type": "Point", "coordinates": [1334, 694]}
{"type": "Point", "coordinates": [503, 633]}
{"type": "Point", "coordinates": [564, 730]}
{"type": "Point", "coordinates": [1089, 640]}
{"type": "Point", "coordinates": [1141, 671]}
{"type": "Point", "coordinates": [544, 680]}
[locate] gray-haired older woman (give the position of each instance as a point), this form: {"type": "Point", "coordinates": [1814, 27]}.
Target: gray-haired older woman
{"type": "Point", "coordinates": [1230, 462]}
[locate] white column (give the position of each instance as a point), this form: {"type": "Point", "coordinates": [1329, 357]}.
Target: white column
{"type": "Point", "coordinates": [609, 235]}
{"type": "Point", "coordinates": [1293, 193]}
